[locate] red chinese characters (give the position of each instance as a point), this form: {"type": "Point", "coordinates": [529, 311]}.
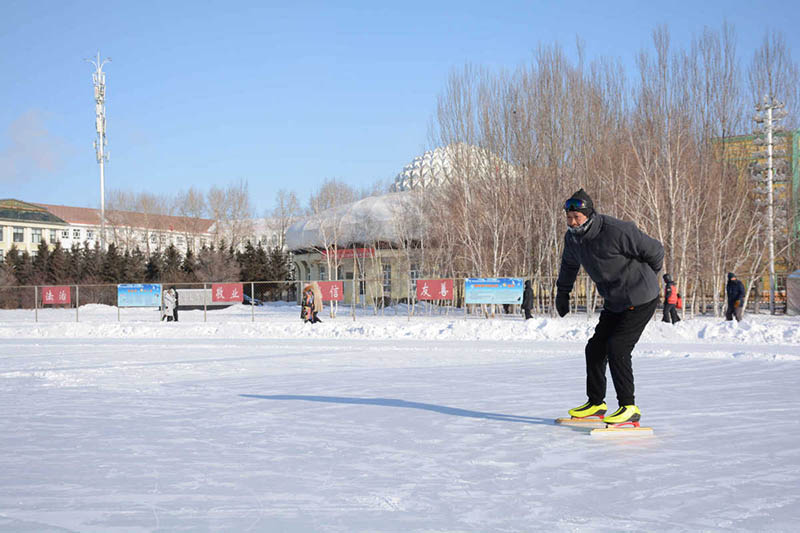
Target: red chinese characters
{"type": "Point", "coordinates": [226, 292]}
{"type": "Point", "coordinates": [56, 295]}
{"type": "Point", "coordinates": [332, 291]}
{"type": "Point", "coordinates": [434, 289]}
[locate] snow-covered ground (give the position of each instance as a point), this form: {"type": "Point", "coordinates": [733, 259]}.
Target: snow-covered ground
{"type": "Point", "coordinates": [385, 423]}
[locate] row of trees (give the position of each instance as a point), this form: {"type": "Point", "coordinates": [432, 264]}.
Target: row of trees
{"type": "Point", "coordinates": [88, 265]}
{"type": "Point", "coordinates": [654, 150]}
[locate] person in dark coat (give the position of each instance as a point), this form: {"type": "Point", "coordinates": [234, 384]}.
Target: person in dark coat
{"type": "Point", "coordinates": [175, 307]}
{"type": "Point", "coordinates": [671, 298]}
{"type": "Point", "coordinates": [624, 263]}
{"type": "Point", "coordinates": [527, 299]}
{"type": "Point", "coordinates": [735, 290]}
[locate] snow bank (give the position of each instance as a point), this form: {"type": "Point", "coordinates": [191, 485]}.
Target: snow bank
{"type": "Point", "coordinates": [281, 321]}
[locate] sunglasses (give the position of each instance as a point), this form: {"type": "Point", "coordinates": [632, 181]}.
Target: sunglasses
{"type": "Point", "coordinates": [574, 204]}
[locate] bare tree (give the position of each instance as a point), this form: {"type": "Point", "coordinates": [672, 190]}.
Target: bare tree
{"type": "Point", "coordinates": [286, 212]}
{"type": "Point", "coordinates": [191, 205]}
{"type": "Point", "coordinates": [232, 213]}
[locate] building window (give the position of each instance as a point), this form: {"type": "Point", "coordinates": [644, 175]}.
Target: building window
{"type": "Point", "coordinates": [76, 234]}
{"type": "Point", "coordinates": [413, 276]}
{"type": "Point", "coordinates": [36, 235]}
{"type": "Point", "coordinates": [65, 234]}
{"type": "Point", "coordinates": [19, 234]}
{"type": "Point", "coordinates": [323, 272]}
{"type": "Point", "coordinates": [387, 279]}
{"type": "Point", "coordinates": [1, 234]}
{"type": "Point", "coordinates": [53, 236]}
{"type": "Point", "coordinates": [89, 234]}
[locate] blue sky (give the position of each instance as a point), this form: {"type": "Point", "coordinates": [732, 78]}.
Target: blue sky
{"type": "Point", "coordinates": [208, 93]}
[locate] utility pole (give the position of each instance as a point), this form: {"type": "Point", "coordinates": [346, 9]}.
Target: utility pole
{"type": "Point", "coordinates": [769, 112]}
{"type": "Point", "coordinates": [100, 142]}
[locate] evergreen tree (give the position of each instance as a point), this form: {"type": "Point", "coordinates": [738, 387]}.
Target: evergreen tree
{"type": "Point", "coordinates": [112, 267]}
{"type": "Point", "coordinates": [277, 271]}
{"type": "Point", "coordinates": [14, 262]}
{"type": "Point", "coordinates": [74, 264]}
{"type": "Point", "coordinates": [136, 266]}
{"type": "Point", "coordinates": [247, 263]}
{"type": "Point", "coordinates": [90, 264]}
{"type": "Point", "coordinates": [24, 269]}
{"type": "Point", "coordinates": [188, 266]}
{"type": "Point", "coordinates": [172, 265]}
{"type": "Point", "coordinates": [57, 270]}
{"type": "Point", "coordinates": [8, 298]}
{"type": "Point", "coordinates": [154, 267]}
{"type": "Point", "coordinates": [262, 262]}
{"type": "Point", "coordinates": [40, 264]}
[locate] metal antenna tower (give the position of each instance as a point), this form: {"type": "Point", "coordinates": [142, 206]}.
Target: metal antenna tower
{"type": "Point", "coordinates": [769, 112]}
{"type": "Point", "coordinates": [100, 142]}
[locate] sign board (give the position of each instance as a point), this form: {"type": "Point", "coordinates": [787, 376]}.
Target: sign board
{"type": "Point", "coordinates": [56, 295]}
{"type": "Point", "coordinates": [139, 295]}
{"type": "Point", "coordinates": [434, 289]}
{"type": "Point", "coordinates": [493, 290]}
{"type": "Point", "coordinates": [332, 291]}
{"type": "Point", "coordinates": [227, 292]}
{"type": "Point", "coordinates": [349, 253]}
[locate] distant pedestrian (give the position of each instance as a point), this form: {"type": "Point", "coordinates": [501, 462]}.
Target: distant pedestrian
{"type": "Point", "coordinates": [168, 307]}
{"type": "Point", "coordinates": [671, 299]}
{"type": "Point", "coordinates": [735, 292]}
{"type": "Point", "coordinates": [527, 299]}
{"type": "Point", "coordinates": [311, 303]}
{"type": "Point", "coordinates": [175, 307]}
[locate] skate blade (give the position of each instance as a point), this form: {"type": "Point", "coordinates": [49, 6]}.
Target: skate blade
{"type": "Point", "coordinates": [581, 422]}
{"type": "Point", "coordinates": [622, 432]}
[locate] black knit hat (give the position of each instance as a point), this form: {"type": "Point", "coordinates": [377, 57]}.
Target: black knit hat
{"type": "Point", "coordinates": [580, 202]}
{"type": "Point", "coordinates": [731, 275]}
{"type": "Point", "coordinates": [667, 278]}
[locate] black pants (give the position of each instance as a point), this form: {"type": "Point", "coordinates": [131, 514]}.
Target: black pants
{"type": "Point", "coordinates": [734, 311]}
{"type": "Point", "coordinates": [612, 343]}
{"type": "Point", "coordinates": [670, 313]}
{"type": "Point", "coordinates": [527, 314]}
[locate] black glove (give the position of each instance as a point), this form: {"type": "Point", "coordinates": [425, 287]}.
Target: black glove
{"type": "Point", "coordinates": [562, 303]}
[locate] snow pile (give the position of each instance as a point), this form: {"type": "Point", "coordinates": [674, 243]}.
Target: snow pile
{"type": "Point", "coordinates": [281, 321]}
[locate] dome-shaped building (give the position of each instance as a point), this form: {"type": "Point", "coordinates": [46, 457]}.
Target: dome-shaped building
{"type": "Point", "coordinates": [441, 165]}
{"type": "Point", "coordinates": [429, 169]}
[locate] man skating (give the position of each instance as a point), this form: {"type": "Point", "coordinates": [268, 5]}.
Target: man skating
{"type": "Point", "coordinates": [623, 262]}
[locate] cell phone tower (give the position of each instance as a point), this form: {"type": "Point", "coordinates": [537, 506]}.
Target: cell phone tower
{"type": "Point", "coordinates": [100, 142]}
{"type": "Point", "coordinates": [768, 114]}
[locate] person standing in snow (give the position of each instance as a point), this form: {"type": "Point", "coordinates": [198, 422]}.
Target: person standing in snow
{"type": "Point", "coordinates": [735, 290]}
{"type": "Point", "coordinates": [624, 263]}
{"type": "Point", "coordinates": [311, 303]}
{"type": "Point", "coordinates": [175, 307]}
{"type": "Point", "coordinates": [527, 299]}
{"type": "Point", "coordinates": [671, 299]}
{"type": "Point", "coordinates": [168, 307]}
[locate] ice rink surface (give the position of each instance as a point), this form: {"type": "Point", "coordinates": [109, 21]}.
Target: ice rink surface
{"type": "Point", "coordinates": [430, 424]}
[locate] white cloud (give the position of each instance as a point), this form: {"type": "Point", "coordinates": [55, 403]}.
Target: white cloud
{"type": "Point", "coordinates": [30, 148]}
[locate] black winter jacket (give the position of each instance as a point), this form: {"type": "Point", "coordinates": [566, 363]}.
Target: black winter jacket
{"type": "Point", "coordinates": [735, 290]}
{"type": "Point", "coordinates": [527, 297]}
{"type": "Point", "coordinates": [621, 260]}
